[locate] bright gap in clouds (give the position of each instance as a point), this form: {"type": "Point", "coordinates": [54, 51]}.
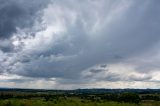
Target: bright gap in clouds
{"type": "Point", "coordinates": [80, 44]}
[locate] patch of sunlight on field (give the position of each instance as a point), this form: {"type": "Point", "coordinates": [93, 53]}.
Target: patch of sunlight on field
{"type": "Point", "coordinates": [150, 103]}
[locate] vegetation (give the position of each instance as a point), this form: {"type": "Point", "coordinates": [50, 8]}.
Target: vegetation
{"type": "Point", "coordinates": [80, 98]}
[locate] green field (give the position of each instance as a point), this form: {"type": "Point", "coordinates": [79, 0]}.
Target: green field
{"type": "Point", "coordinates": [70, 102]}
{"type": "Point", "coordinates": [20, 97]}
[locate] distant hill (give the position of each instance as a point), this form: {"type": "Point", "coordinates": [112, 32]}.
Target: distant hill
{"type": "Point", "coordinates": [82, 91]}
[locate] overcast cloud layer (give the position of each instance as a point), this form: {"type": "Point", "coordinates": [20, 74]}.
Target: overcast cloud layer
{"type": "Point", "coordinates": [61, 44]}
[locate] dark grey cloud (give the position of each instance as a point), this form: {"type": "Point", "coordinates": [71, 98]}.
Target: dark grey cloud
{"type": "Point", "coordinates": [96, 70]}
{"type": "Point", "coordinates": [19, 14]}
{"type": "Point", "coordinates": [6, 45]}
{"type": "Point", "coordinates": [136, 78]}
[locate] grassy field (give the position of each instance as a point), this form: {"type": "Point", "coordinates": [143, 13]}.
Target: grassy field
{"type": "Point", "coordinates": [25, 97]}
{"type": "Point", "coordinates": [70, 102]}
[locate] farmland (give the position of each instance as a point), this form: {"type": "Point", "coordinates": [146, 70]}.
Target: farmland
{"type": "Point", "coordinates": [80, 97]}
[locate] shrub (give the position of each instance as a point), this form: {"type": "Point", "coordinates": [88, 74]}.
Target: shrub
{"type": "Point", "coordinates": [129, 97]}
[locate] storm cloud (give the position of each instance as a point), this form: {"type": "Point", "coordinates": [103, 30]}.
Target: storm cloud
{"type": "Point", "coordinates": [18, 14]}
{"type": "Point", "coordinates": [77, 43]}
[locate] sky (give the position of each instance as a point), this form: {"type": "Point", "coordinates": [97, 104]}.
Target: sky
{"type": "Point", "coordinates": [70, 44]}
